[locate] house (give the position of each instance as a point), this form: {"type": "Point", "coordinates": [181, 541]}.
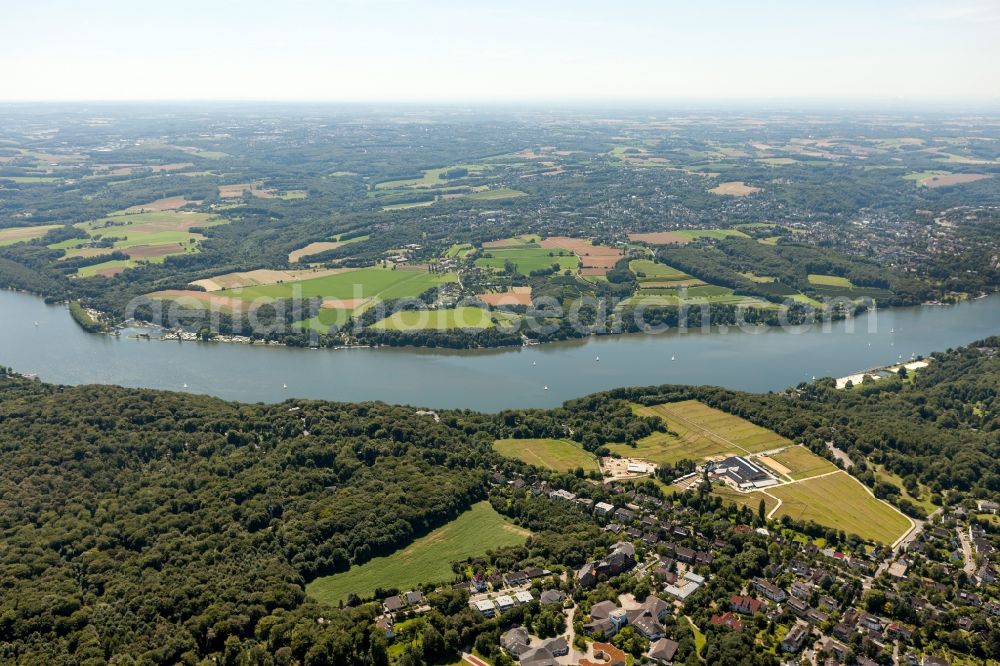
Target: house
{"type": "Point", "coordinates": [744, 605]}
{"type": "Point", "coordinates": [393, 604]}
{"type": "Point", "coordinates": [605, 654]}
{"type": "Point", "coordinates": [603, 628]}
{"type": "Point", "coordinates": [870, 622]}
{"type": "Point", "coordinates": [843, 631]}
{"type": "Point", "coordinates": [685, 554]}
{"type": "Point", "coordinates": [624, 515]}
{"type": "Point", "coordinates": [769, 590]}
{"type": "Point", "coordinates": [649, 627]}
{"type": "Point", "coordinates": [898, 569]}
{"type": "Point", "coordinates": [523, 597]}
{"type": "Point", "coordinates": [828, 603]}
{"type": "Point", "coordinates": [817, 616]}
{"type": "Point", "coordinates": [801, 590]}
{"type": "Point", "coordinates": [603, 508]}
{"type": "Point", "coordinates": [836, 648]}
{"type": "Point", "coordinates": [587, 575]}
{"type": "Point", "coordinates": [414, 598]}
{"type": "Point", "coordinates": [538, 657]}
{"type": "Point", "coordinates": [663, 651]}
{"type": "Point", "coordinates": [557, 646]}
{"type": "Point", "coordinates": [515, 578]}
{"type": "Point", "coordinates": [656, 607]}
{"type": "Point", "coordinates": [504, 602]}
{"type": "Point", "coordinates": [386, 624]}
{"type": "Point", "coordinates": [515, 642]}
{"type": "Point", "coordinates": [795, 637]}
{"type": "Point", "coordinates": [897, 630]}
{"type": "Point", "coordinates": [562, 495]}
{"type": "Point", "coordinates": [486, 607]}
{"type": "Point", "coordinates": [797, 606]}
{"type": "Point", "coordinates": [552, 597]}
{"type": "Point", "coordinates": [602, 610]}
{"type": "Point", "coordinates": [727, 619]}
{"type": "Point", "coordinates": [986, 506]}
{"type": "Point", "coordinates": [685, 586]}
{"type": "Point", "coordinates": [930, 660]}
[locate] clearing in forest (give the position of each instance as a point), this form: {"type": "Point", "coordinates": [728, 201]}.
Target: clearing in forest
{"type": "Point", "coordinates": [426, 560]}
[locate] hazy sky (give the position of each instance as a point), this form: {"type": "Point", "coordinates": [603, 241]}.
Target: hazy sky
{"type": "Point", "coordinates": [512, 50]}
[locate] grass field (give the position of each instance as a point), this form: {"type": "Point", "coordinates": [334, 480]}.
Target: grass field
{"type": "Point", "coordinates": [830, 280]}
{"type": "Point", "coordinates": [656, 272]}
{"type": "Point", "coordinates": [803, 463]}
{"type": "Point", "coordinates": [527, 259]}
{"type": "Point", "coordinates": [701, 432]}
{"type": "Point", "coordinates": [367, 283]}
{"type": "Point", "coordinates": [326, 318]}
{"type": "Point", "coordinates": [419, 320]}
{"type": "Point", "coordinates": [749, 500]}
{"type": "Point", "coordinates": [841, 502]}
{"type": "Point", "coordinates": [497, 194]}
{"type": "Point", "coordinates": [426, 560]}
{"type": "Point", "coordinates": [560, 455]}
{"type": "Point", "coordinates": [149, 236]}
{"type": "Point", "coordinates": [692, 234]}
{"type": "Point", "coordinates": [21, 234]}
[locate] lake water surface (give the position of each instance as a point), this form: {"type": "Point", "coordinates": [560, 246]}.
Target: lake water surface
{"type": "Point", "coordinates": [59, 351]}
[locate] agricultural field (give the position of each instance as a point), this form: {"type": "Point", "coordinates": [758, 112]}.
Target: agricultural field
{"type": "Point", "coordinates": [594, 259]}
{"type": "Point", "coordinates": [440, 320]}
{"type": "Point", "coordinates": [841, 502]}
{"type": "Point", "coordinates": [830, 281]}
{"type": "Point", "coordinates": [701, 432]}
{"type": "Point", "coordinates": [20, 234]}
{"type": "Point", "coordinates": [560, 455]}
{"type": "Point", "coordinates": [426, 560]}
{"type": "Point", "coordinates": [527, 259]}
{"type": "Point", "coordinates": [497, 194]}
{"type": "Point", "coordinates": [693, 234]}
{"type": "Point", "coordinates": [321, 246]}
{"type": "Point", "coordinates": [734, 188]}
{"type": "Point", "coordinates": [798, 462]}
{"type": "Point", "coordinates": [348, 286]}
{"type": "Point", "coordinates": [150, 236]}
{"type": "Point", "coordinates": [653, 271]}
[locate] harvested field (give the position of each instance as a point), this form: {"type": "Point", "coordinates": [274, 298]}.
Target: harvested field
{"type": "Point", "coordinates": [234, 191]}
{"type": "Point", "coordinates": [690, 282]}
{"type": "Point", "coordinates": [516, 296]}
{"type": "Point", "coordinates": [168, 203]}
{"type": "Point", "coordinates": [262, 276]}
{"type": "Point", "coordinates": [201, 299]}
{"type": "Point", "coordinates": [150, 251]}
{"type": "Point", "coordinates": [953, 179]}
{"type": "Point", "coordinates": [343, 304]}
{"type": "Point", "coordinates": [734, 188]}
{"type": "Point", "coordinates": [594, 259]}
{"type": "Point", "coordinates": [512, 242]}
{"type": "Point", "coordinates": [659, 238]}
{"type": "Point", "coordinates": [311, 249]}
{"type": "Point", "coordinates": [21, 234]}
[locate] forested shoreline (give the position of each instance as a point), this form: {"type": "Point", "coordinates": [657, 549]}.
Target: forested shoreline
{"type": "Point", "coordinates": [154, 527]}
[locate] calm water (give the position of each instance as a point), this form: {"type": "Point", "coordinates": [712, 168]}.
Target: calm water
{"type": "Point", "coordinates": [57, 350]}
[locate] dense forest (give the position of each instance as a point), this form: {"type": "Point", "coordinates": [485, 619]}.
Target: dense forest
{"type": "Point", "coordinates": [152, 528]}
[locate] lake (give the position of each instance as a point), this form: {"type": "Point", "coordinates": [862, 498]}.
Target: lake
{"type": "Point", "coordinates": [59, 351]}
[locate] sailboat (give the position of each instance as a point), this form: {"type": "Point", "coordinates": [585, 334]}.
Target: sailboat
{"type": "Point", "coordinates": [673, 358]}
{"type": "Point", "coordinates": [546, 388]}
{"type": "Point", "coordinates": [284, 386]}
{"type": "Point", "coordinates": [598, 359]}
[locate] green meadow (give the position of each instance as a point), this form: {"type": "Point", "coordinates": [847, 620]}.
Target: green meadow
{"type": "Point", "coordinates": [426, 560]}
